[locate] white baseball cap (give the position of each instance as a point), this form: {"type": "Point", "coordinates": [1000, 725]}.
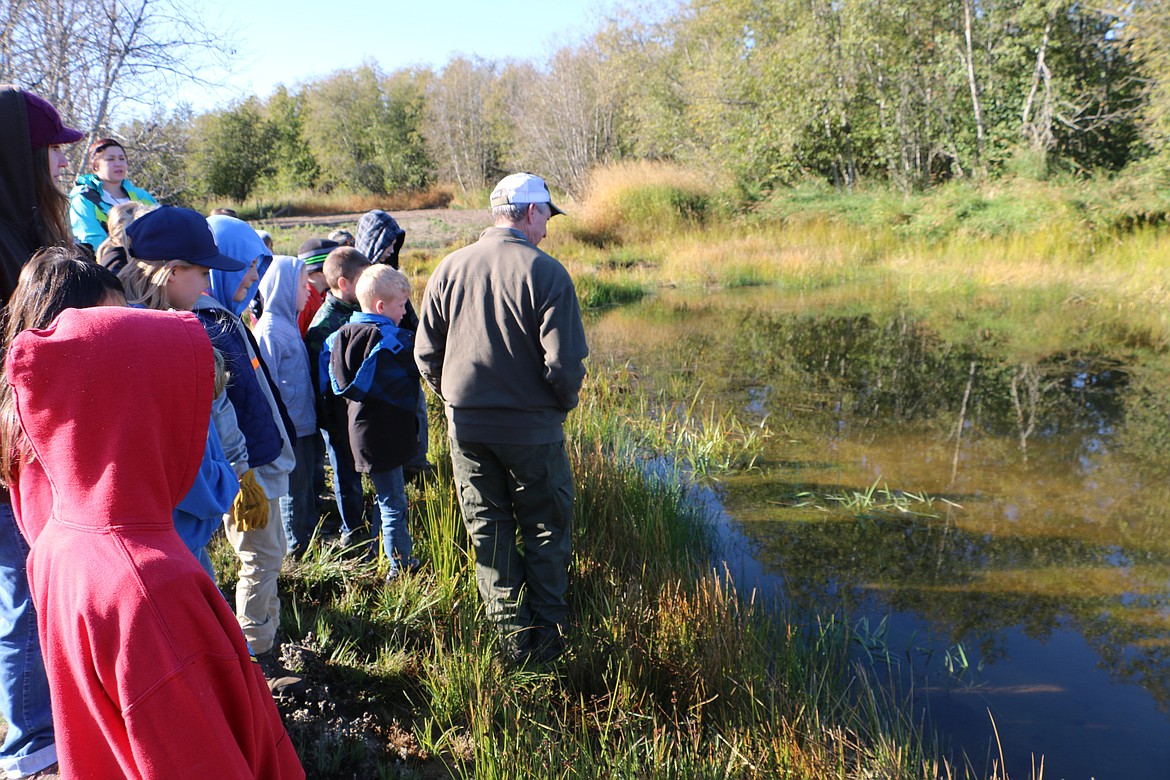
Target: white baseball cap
{"type": "Point", "coordinates": [520, 189]}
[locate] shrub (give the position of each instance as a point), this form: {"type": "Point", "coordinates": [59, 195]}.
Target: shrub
{"type": "Point", "coordinates": [639, 200]}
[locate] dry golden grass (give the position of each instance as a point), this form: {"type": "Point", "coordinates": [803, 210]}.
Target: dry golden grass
{"type": "Point", "coordinates": [641, 198]}
{"type": "Point", "coordinates": [316, 204]}
{"type": "Point", "coordinates": [306, 203]}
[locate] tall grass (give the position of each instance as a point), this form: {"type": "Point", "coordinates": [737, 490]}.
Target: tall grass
{"type": "Point", "coordinates": [639, 200]}
{"type": "Point", "coordinates": [1021, 256]}
{"type": "Point", "coordinates": [672, 672]}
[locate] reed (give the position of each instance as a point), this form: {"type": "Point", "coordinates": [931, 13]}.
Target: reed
{"type": "Point", "coordinates": [672, 674]}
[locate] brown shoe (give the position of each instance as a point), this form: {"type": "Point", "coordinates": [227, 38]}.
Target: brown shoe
{"type": "Point", "coordinates": [48, 773]}
{"type": "Point", "coordinates": [281, 682]}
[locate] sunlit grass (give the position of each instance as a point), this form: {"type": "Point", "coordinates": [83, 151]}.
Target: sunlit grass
{"type": "Point", "coordinates": [1014, 255]}
{"type": "Point", "coordinates": [308, 203]}
{"type": "Point", "coordinates": [672, 672]}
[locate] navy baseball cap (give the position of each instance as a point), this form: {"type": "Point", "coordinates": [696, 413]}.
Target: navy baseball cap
{"type": "Point", "coordinates": [174, 233]}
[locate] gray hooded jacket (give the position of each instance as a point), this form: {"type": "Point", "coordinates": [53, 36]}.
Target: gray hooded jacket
{"type": "Point", "coordinates": [281, 346]}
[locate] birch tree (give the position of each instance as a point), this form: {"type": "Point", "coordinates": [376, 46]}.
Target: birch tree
{"type": "Point", "coordinates": [465, 115]}
{"type": "Point", "coordinates": [100, 59]}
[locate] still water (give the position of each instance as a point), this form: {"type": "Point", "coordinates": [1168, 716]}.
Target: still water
{"type": "Point", "coordinates": [1010, 549]}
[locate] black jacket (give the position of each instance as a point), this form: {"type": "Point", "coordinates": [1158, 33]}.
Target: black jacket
{"type": "Point", "coordinates": [381, 405]}
{"type": "Point", "coordinates": [20, 233]}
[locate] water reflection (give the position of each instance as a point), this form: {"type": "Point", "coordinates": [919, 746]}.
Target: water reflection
{"type": "Point", "coordinates": [1048, 474]}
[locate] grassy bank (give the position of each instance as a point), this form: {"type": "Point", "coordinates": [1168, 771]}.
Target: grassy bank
{"type": "Point", "coordinates": [672, 672]}
{"type": "Point", "coordinates": [1042, 263]}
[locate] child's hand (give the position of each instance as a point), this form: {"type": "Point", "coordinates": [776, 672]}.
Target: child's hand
{"type": "Point", "coordinates": [250, 509]}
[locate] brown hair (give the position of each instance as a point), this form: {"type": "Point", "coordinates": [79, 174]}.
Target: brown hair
{"type": "Point", "coordinates": [52, 205]}
{"type": "Point", "coordinates": [343, 262]}
{"type": "Point", "coordinates": [55, 279]}
{"type": "Point", "coordinates": [100, 145]}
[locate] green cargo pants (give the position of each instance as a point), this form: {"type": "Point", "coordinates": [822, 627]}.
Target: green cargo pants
{"type": "Point", "coordinates": [507, 490]}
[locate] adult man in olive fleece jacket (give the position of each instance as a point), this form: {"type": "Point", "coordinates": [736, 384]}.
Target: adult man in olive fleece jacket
{"type": "Point", "coordinates": [501, 342]}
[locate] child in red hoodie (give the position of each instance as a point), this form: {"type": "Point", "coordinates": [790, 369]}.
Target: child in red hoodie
{"type": "Point", "coordinates": [149, 671]}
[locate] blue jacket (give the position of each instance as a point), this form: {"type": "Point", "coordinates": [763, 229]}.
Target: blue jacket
{"type": "Point", "coordinates": [371, 366]}
{"type": "Point", "coordinates": [211, 495]}
{"type": "Point", "coordinates": [256, 414]}
{"type": "Point", "coordinates": [201, 511]}
{"type": "Point", "coordinates": [281, 346]}
{"type": "Point", "coordinates": [89, 211]}
{"type": "Point", "coordinates": [333, 313]}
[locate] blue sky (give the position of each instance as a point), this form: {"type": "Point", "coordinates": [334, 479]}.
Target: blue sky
{"type": "Point", "coordinates": [282, 42]}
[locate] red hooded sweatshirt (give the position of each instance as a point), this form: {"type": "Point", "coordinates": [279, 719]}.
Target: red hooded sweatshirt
{"type": "Point", "coordinates": [149, 672]}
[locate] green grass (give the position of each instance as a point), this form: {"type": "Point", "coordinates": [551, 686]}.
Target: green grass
{"type": "Point", "coordinates": [672, 672]}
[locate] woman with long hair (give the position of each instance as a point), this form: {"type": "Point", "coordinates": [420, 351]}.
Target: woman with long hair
{"type": "Point", "coordinates": [32, 215]}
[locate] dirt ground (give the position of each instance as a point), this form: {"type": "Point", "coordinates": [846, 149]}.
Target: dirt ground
{"type": "Point", "coordinates": [425, 228]}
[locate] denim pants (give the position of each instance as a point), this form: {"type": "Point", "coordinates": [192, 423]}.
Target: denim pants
{"type": "Point", "coordinates": [24, 688]}
{"type": "Point", "coordinates": [298, 508]}
{"type": "Point", "coordinates": [391, 497]}
{"type": "Point", "coordinates": [510, 488]}
{"type": "Point", "coordinates": [347, 487]}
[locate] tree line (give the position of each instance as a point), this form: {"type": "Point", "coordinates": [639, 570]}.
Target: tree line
{"type": "Point", "coordinates": [761, 93]}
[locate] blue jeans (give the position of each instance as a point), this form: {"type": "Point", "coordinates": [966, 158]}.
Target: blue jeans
{"type": "Point", "coordinates": [24, 688]}
{"type": "Point", "coordinates": [347, 487]}
{"type": "Point", "coordinates": [298, 508]}
{"type": "Point", "coordinates": [391, 497]}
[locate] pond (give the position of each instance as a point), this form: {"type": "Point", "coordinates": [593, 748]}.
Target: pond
{"type": "Point", "coordinates": [998, 526]}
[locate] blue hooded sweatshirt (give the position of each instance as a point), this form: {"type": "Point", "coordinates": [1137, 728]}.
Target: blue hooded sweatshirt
{"type": "Point", "coordinates": [257, 415]}
{"type": "Point", "coordinates": [236, 238]}
{"type": "Point", "coordinates": [201, 510]}
{"type": "Point", "coordinates": [211, 495]}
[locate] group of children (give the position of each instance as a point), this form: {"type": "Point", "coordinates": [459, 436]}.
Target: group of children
{"type": "Point", "coordinates": [122, 504]}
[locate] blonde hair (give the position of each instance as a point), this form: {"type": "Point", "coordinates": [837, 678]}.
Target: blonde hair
{"type": "Point", "coordinates": [222, 375]}
{"type": "Point", "coordinates": [122, 215]}
{"type": "Point", "coordinates": [380, 281]}
{"type": "Point", "coordinates": [120, 218]}
{"type": "Point", "coordinates": [146, 281]}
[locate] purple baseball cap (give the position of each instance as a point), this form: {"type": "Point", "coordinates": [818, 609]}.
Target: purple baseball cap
{"type": "Point", "coordinates": [45, 127]}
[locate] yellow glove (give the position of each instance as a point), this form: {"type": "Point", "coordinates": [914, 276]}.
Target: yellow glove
{"type": "Point", "coordinates": [250, 509]}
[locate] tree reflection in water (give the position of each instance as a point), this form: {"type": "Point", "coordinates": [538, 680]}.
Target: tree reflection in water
{"type": "Point", "coordinates": [1056, 463]}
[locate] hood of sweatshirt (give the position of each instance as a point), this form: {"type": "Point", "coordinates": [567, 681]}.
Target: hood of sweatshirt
{"type": "Point", "coordinates": [151, 373]}
{"type": "Point", "coordinates": [18, 202]}
{"type": "Point", "coordinates": [280, 285]}
{"type": "Point", "coordinates": [236, 238]}
{"type": "Point", "coordinates": [377, 232]}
